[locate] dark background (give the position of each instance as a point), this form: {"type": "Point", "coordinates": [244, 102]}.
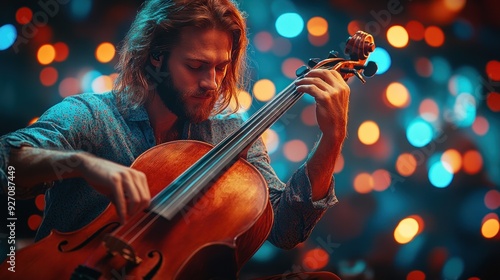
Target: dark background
{"type": "Point", "coordinates": [356, 236]}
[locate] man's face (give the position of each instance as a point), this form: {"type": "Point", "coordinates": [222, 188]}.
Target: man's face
{"type": "Point", "coordinates": [196, 67]}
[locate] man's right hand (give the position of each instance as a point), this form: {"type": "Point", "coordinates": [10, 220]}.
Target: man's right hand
{"type": "Point", "coordinates": [127, 188]}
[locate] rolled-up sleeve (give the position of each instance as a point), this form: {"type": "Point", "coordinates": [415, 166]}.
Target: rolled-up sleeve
{"type": "Point", "coordinates": [53, 130]}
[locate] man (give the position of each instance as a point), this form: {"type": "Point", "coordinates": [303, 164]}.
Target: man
{"type": "Point", "coordinates": [180, 65]}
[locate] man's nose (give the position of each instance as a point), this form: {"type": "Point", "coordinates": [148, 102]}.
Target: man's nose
{"type": "Point", "coordinates": [209, 80]}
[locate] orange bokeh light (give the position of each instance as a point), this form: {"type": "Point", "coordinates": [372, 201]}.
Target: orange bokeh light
{"type": "Point", "coordinates": [406, 164]}
{"type": "Point", "coordinates": [317, 26]}
{"type": "Point", "coordinates": [381, 180]}
{"type": "Point", "coordinates": [315, 259]}
{"type": "Point", "coordinates": [453, 160]}
{"type": "Point", "coordinates": [105, 52]}
{"type": "Point", "coordinates": [46, 54]}
{"type": "Point", "coordinates": [472, 162]}
{"type": "Point", "coordinates": [363, 183]}
{"type": "Point", "coordinates": [62, 51]}
{"type": "Point", "coordinates": [397, 36]}
{"type": "Point", "coordinates": [434, 36]}
{"type": "Point", "coordinates": [415, 30]}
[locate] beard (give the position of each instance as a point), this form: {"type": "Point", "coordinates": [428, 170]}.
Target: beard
{"type": "Point", "coordinates": [178, 101]}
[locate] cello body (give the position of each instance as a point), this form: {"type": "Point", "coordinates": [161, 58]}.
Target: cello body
{"type": "Point", "coordinates": [207, 239]}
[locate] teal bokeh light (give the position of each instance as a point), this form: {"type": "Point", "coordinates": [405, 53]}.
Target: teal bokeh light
{"type": "Point", "coordinates": [441, 69]}
{"type": "Point", "coordinates": [8, 35]}
{"type": "Point", "coordinates": [289, 25]}
{"type": "Point", "coordinates": [419, 133]}
{"type": "Point", "coordinates": [440, 175]}
{"type": "Point", "coordinates": [80, 9]}
{"type": "Point", "coordinates": [382, 58]}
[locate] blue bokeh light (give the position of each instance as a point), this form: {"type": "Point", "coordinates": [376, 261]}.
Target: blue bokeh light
{"type": "Point", "coordinates": [440, 175]}
{"type": "Point", "coordinates": [453, 268]}
{"type": "Point", "coordinates": [88, 78]}
{"type": "Point", "coordinates": [382, 58]}
{"type": "Point", "coordinates": [419, 133]}
{"type": "Point", "coordinates": [80, 9]}
{"type": "Point", "coordinates": [463, 29]}
{"type": "Point", "coordinates": [289, 25]}
{"type": "Point", "coordinates": [8, 35]}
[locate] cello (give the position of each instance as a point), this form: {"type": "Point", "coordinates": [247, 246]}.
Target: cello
{"type": "Point", "coordinates": [178, 236]}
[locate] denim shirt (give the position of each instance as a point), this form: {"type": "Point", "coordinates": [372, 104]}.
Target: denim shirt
{"type": "Point", "coordinates": [92, 123]}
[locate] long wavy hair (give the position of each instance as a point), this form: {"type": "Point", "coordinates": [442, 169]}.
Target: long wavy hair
{"type": "Point", "coordinates": [156, 29]}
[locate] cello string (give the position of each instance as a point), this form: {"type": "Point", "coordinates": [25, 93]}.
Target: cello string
{"type": "Point", "coordinates": [260, 117]}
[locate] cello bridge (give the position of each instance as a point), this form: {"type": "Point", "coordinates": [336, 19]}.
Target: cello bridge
{"type": "Point", "coordinates": [116, 246]}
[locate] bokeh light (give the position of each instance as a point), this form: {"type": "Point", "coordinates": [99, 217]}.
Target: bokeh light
{"type": "Point", "coordinates": [382, 58]}
{"type": "Point", "coordinates": [493, 101]}
{"type": "Point", "coordinates": [295, 150]}
{"type": "Point", "coordinates": [263, 41]}
{"type": "Point", "coordinates": [315, 259]}
{"type": "Point", "coordinates": [406, 164]}
{"type": "Point", "coordinates": [62, 51]}
{"type": "Point", "coordinates": [406, 230]}
{"type": "Point", "coordinates": [397, 95]}
{"type": "Point", "coordinates": [317, 26]}
{"type": "Point", "coordinates": [69, 86]}
{"type": "Point", "coordinates": [368, 132]}
{"type": "Point", "coordinates": [440, 174]}
{"type": "Point", "coordinates": [381, 180]}
{"type": "Point", "coordinates": [490, 228]}
{"type": "Point", "coordinates": [48, 76]}
{"type": "Point", "coordinates": [289, 25]}
{"type": "Point", "coordinates": [363, 182]}
{"type": "Point", "coordinates": [264, 90]}
{"type": "Point", "coordinates": [428, 110]}
{"type": "Point", "coordinates": [46, 54]}
{"type": "Point", "coordinates": [244, 101]}
{"type": "Point", "coordinates": [415, 30]}
{"type": "Point", "coordinates": [397, 36]}
{"type": "Point", "coordinates": [419, 133]}
{"type": "Point", "coordinates": [480, 125]}
{"type": "Point", "coordinates": [105, 52]}
{"type": "Point", "coordinates": [472, 162]}
{"type": "Point", "coordinates": [24, 15]}
{"type": "Point", "coordinates": [453, 160]}
{"type": "Point", "coordinates": [415, 275]}
{"type": "Point", "coordinates": [8, 33]}
{"type": "Point", "coordinates": [290, 65]}
{"type": "Point", "coordinates": [434, 36]}
{"type": "Point", "coordinates": [492, 199]}
{"type": "Point", "coordinates": [493, 70]}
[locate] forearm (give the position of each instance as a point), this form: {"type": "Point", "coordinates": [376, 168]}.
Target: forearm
{"type": "Point", "coordinates": [321, 164]}
{"type": "Point", "coordinates": [35, 166]}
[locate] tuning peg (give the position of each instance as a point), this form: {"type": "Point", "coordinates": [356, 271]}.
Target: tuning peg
{"type": "Point", "coordinates": [370, 69]}
{"type": "Point", "coordinates": [313, 61]}
{"type": "Point", "coordinates": [302, 70]}
{"type": "Point", "coordinates": [333, 54]}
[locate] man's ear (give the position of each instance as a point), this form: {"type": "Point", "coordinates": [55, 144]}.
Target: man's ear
{"type": "Point", "coordinates": [156, 59]}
